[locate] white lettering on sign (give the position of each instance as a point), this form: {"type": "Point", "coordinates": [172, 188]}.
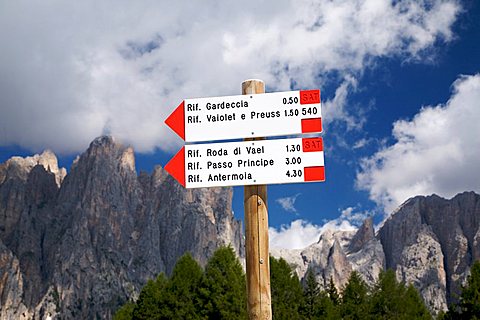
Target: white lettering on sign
{"type": "Point", "coordinates": [242, 116]}
{"type": "Point", "coordinates": [249, 163]}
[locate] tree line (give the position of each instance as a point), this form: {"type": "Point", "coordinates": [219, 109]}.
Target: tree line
{"type": "Point", "coordinates": [219, 292]}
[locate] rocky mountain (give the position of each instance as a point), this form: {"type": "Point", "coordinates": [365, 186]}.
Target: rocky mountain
{"type": "Point", "coordinates": [77, 246]}
{"type": "Point", "coordinates": [337, 253]}
{"type": "Point", "coordinates": [429, 241]}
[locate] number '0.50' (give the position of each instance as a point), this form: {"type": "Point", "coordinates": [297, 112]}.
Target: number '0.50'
{"type": "Point", "coordinates": [290, 100]}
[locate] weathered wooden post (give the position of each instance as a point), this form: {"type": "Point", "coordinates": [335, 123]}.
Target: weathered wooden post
{"type": "Point", "coordinates": [256, 234]}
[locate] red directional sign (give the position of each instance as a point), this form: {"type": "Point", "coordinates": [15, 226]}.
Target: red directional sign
{"type": "Point", "coordinates": [245, 116]}
{"type": "Point", "coordinates": [249, 163]}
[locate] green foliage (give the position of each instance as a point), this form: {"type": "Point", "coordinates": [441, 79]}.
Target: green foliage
{"type": "Point", "coordinates": [355, 299]}
{"type": "Point", "coordinates": [287, 292]}
{"type": "Point", "coordinates": [317, 303]}
{"type": "Point", "coordinates": [125, 312]}
{"type": "Point", "coordinates": [332, 292]}
{"type": "Point", "coordinates": [468, 306]}
{"type": "Point", "coordinates": [311, 294]}
{"type": "Point", "coordinates": [392, 300]}
{"type": "Point", "coordinates": [219, 292]}
{"type": "Point", "coordinates": [148, 306]}
{"type": "Point", "coordinates": [191, 293]}
{"type": "Point", "coordinates": [222, 291]}
{"type": "Point", "coordinates": [470, 297]}
{"type": "Point", "coordinates": [182, 290]}
{"type": "Point", "coordinates": [414, 305]}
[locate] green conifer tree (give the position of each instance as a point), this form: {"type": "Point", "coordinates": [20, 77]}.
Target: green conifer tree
{"type": "Point", "coordinates": [223, 287]}
{"type": "Point", "coordinates": [311, 294]}
{"type": "Point", "coordinates": [333, 293]}
{"type": "Point", "coordinates": [125, 312]}
{"type": "Point", "coordinates": [149, 305]}
{"type": "Point", "coordinates": [415, 307]}
{"type": "Point", "coordinates": [181, 297]}
{"type": "Point", "coordinates": [287, 292]}
{"type": "Point", "coordinates": [317, 303]}
{"type": "Point", "coordinates": [355, 299]}
{"type": "Point", "coordinates": [468, 307]}
{"type": "Point", "coordinates": [392, 300]}
{"type": "Point", "coordinates": [470, 296]}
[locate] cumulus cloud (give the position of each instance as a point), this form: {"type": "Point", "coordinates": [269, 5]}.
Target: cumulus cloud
{"type": "Point", "coordinates": [353, 216]}
{"type": "Point", "coordinates": [335, 109]}
{"type": "Point", "coordinates": [72, 71]}
{"type": "Point", "coordinates": [288, 203]}
{"type": "Point", "coordinates": [297, 235]}
{"type": "Point", "coordinates": [300, 233]}
{"type": "Point", "coordinates": [438, 151]}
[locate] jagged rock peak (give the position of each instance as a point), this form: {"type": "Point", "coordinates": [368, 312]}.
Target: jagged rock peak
{"type": "Point", "coordinates": [80, 251]}
{"type": "Point", "coordinates": [364, 234]}
{"type": "Point", "coordinates": [104, 144]}
{"type": "Point", "coordinates": [21, 167]}
{"type": "Point", "coordinates": [110, 147]}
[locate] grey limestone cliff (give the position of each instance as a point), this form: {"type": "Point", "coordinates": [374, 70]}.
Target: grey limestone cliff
{"type": "Point", "coordinates": [429, 242]}
{"type": "Point", "coordinates": [78, 245]}
{"type": "Point", "coordinates": [432, 242]}
{"type": "Point", "coordinates": [337, 254]}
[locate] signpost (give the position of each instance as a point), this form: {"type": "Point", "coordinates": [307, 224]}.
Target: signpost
{"type": "Point", "coordinates": [249, 163]}
{"type": "Point", "coordinates": [253, 163]}
{"type": "Point", "coordinates": [259, 301]}
{"type": "Point", "coordinates": [247, 116]}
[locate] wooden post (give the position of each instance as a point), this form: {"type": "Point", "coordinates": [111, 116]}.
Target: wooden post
{"type": "Point", "coordinates": [256, 236]}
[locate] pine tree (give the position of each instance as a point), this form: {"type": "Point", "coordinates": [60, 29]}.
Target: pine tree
{"type": "Point", "coordinates": [355, 300]}
{"type": "Point", "coordinates": [181, 297]}
{"type": "Point", "coordinates": [392, 300]}
{"type": "Point", "coordinates": [415, 307]}
{"type": "Point", "coordinates": [470, 296]}
{"type": "Point", "coordinates": [287, 293]}
{"type": "Point", "coordinates": [149, 302]}
{"type": "Point", "coordinates": [317, 303]}
{"type": "Point", "coordinates": [387, 295]}
{"type": "Point", "coordinates": [333, 293]}
{"type": "Point", "coordinates": [125, 312]}
{"type": "Point", "coordinates": [311, 294]}
{"type": "Point", "coordinates": [223, 287]}
{"type": "Point", "coordinates": [469, 305]}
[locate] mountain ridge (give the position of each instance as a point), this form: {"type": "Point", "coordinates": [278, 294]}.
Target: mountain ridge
{"type": "Point", "coordinates": [428, 241]}
{"type": "Point", "coordinates": [82, 248]}
{"type": "Point", "coordinates": [80, 244]}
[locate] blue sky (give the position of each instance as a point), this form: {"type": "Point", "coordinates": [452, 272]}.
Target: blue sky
{"type": "Point", "coordinates": [400, 90]}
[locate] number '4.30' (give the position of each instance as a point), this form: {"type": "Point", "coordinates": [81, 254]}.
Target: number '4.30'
{"type": "Point", "coordinates": [294, 173]}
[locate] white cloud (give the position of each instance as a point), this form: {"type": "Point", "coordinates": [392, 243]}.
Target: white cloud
{"type": "Point", "coordinates": [72, 71]}
{"type": "Point", "coordinates": [297, 235]}
{"type": "Point", "coordinates": [288, 203]}
{"type": "Point", "coordinates": [438, 151]}
{"type": "Point", "coordinates": [300, 233]}
{"type": "Point", "coordinates": [361, 143]}
{"type": "Point", "coordinates": [353, 216]}
{"type": "Point", "coordinates": [336, 108]}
